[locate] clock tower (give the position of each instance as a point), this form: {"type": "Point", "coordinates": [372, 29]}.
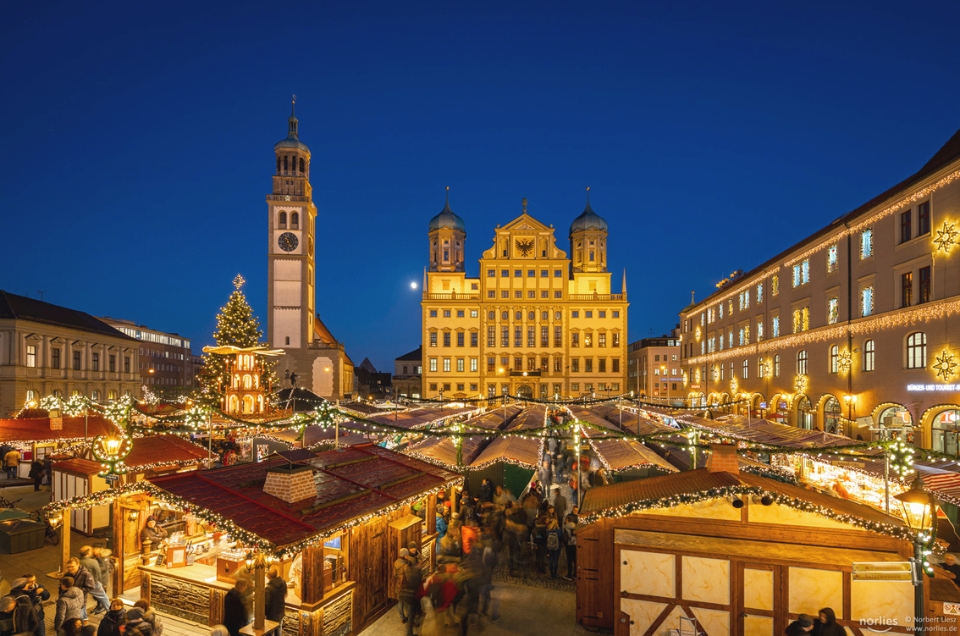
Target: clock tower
{"type": "Point", "coordinates": [292, 222]}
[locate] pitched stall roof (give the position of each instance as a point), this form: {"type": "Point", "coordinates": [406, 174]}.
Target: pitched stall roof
{"type": "Point", "coordinates": [78, 466]}
{"type": "Point", "coordinates": [38, 429]}
{"type": "Point", "coordinates": [632, 422]}
{"type": "Point", "coordinates": [618, 454]}
{"type": "Point", "coordinates": [351, 483]}
{"type": "Point", "coordinates": [443, 450]}
{"type": "Point", "coordinates": [318, 435]}
{"type": "Point", "coordinates": [417, 418]}
{"type": "Point", "coordinates": [526, 452]}
{"type": "Point", "coordinates": [163, 449]}
{"type": "Point", "coordinates": [694, 482]}
{"type": "Point", "coordinates": [767, 432]}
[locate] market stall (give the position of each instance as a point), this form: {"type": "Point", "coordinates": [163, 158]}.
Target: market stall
{"type": "Point", "coordinates": [511, 460]}
{"type": "Point", "coordinates": [38, 437]}
{"type": "Point", "coordinates": [618, 455]}
{"type": "Point", "coordinates": [334, 521]}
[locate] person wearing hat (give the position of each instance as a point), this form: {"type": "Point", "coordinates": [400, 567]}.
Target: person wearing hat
{"type": "Point", "coordinates": [152, 532]}
{"type": "Point", "coordinates": [401, 572]}
{"type": "Point", "coordinates": [803, 625]}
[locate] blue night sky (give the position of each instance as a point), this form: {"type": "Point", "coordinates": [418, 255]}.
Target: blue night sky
{"type": "Point", "coordinates": [138, 138]}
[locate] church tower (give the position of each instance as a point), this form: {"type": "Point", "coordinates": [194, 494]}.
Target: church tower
{"type": "Point", "coordinates": [292, 223]}
{"type": "Point", "coordinates": [588, 242]}
{"type": "Point", "coordinates": [447, 238]}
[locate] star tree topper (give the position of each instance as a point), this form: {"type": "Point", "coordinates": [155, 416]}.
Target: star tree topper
{"type": "Point", "coordinates": [238, 282]}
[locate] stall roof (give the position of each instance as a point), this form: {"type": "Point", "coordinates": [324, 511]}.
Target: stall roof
{"type": "Point", "coordinates": [618, 454]}
{"type": "Point", "coordinates": [78, 466]}
{"type": "Point", "coordinates": [767, 432]}
{"type": "Point", "coordinates": [319, 435]}
{"type": "Point", "coordinates": [163, 449]}
{"type": "Point", "coordinates": [351, 483]}
{"type": "Point", "coordinates": [692, 482]}
{"type": "Point", "coordinates": [518, 450]}
{"type": "Point", "coordinates": [37, 430]}
{"type": "Point", "coordinates": [443, 450]}
{"type": "Point", "coordinates": [632, 422]}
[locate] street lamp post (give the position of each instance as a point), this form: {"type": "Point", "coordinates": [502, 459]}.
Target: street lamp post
{"type": "Point", "coordinates": [918, 508]}
{"type": "Point", "coordinates": [504, 405]}
{"type": "Point", "coordinates": [851, 401]}
{"type": "Point", "coordinates": [441, 398]}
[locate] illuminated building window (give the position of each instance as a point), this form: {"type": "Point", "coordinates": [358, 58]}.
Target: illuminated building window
{"type": "Point", "coordinates": [801, 319]}
{"type": "Point", "coordinates": [776, 365]}
{"type": "Point", "coordinates": [917, 350]}
{"type": "Point", "coordinates": [446, 364]}
{"type": "Point", "coordinates": [866, 243]}
{"type": "Point", "coordinates": [801, 273]}
{"type": "Point", "coordinates": [544, 336]}
{"type": "Point", "coordinates": [518, 336]}
{"type": "Point", "coordinates": [833, 310]}
{"type": "Point", "coordinates": [558, 336]}
{"type": "Point", "coordinates": [721, 311]}
{"type": "Point", "coordinates": [802, 362]}
{"type": "Point", "coordinates": [869, 355]}
{"type": "Point", "coordinates": [923, 292]}
{"type": "Point", "coordinates": [833, 258]}
{"type": "Point", "coordinates": [866, 301]}
{"type": "Point", "coordinates": [834, 359]}
{"type": "Point", "coordinates": [460, 364]}
{"type": "Point", "coordinates": [574, 340]}
{"type": "Point", "coordinates": [531, 336]}
{"type": "Point", "coordinates": [745, 369]}
{"type": "Point", "coordinates": [761, 368]}
{"type": "Point", "coordinates": [906, 289]}
{"type": "Point", "coordinates": [774, 286]}
{"type": "Point", "coordinates": [759, 329]}
{"type": "Point", "coordinates": [433, 365]}
{"type": "Point", "coordinates": [505, 336]}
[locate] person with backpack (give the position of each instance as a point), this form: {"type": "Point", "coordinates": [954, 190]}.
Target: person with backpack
{"type": "Point", "coordinates": [570, 541]}
{"type": "Point", "coordinates": [539, 540]}
{"type": "Point", "coordinates": [553, 544]}
{"type": "Point", "coordinates": [27, 585]}
{"type": "Point", "coordinates": [401, 572]}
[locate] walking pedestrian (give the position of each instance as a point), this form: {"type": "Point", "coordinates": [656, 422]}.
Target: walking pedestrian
{"type": "Point", "coordinates": [70, 604]}
{"type": "Point", "coordinates": [88, 561]}
{"type": "Point", "coordinates": [275, 598]}
{"type": "Point", "coordinates": [554, 543]}
{"type": "Point", "coordinates": [570, 542]}
{"type": "Point", "coordinates": [401, 570]}
{"type": "Point", "coordinates": [36, 474]}
{"type": "Point", "coordinates": [235, 615]}
{"type": "Point", "coordinates": [11, 461]}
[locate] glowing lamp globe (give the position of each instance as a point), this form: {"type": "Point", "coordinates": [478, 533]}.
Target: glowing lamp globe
{"type": "Point", "coordinates": [917, 506]}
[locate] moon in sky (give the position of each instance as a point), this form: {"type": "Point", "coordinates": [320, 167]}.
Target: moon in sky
{"type": "Point", "coordinates": [413, 285]}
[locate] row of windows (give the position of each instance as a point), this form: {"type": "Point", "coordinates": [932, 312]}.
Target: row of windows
{"type": "Point", "coordinates": [160, 354]}
{"type": "Point", "coordinates": [33, 396]}
{"type": "Point", "coordinates": [56, 362]}
{"type": "Point", "coordinates": [505, 315]}
{"type": "Point", "coordinates": [520, 363]}
{"type": "Point", "coordinates": [588, 387]}
{"type": "Point", "coordinates": [531, 273]}
{"type": "Point", "coordinates": [286, 164]}
{"type": "Point", "coordinates": [801, 270]}
{"type": "Point", "coordinates": [916, 358]}
{"type": "Point", "coordinates": [294, 220]}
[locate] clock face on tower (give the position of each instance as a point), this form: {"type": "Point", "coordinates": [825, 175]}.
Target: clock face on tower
{"type": "Point", "coordinates": [288, 242]}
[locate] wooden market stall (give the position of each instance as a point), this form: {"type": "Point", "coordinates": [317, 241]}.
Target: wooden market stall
{"type": "Point", "coordinates": [336, 521]}
{"type": "Point", "coordinates": [620, 456]}
{"type": "Point", "coordinates": [511, 460]}
{"type": "Point", "coordinates": [735, 552]}
{"type": "Point", "coordinates": [443, 451]}
{"type": "Point", "coordinates": [38, 437]}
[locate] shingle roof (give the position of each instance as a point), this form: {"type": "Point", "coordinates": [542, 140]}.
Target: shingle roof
{"type": "Point", "coordinates": [350, 483]}
{"type": "Point", "coordinates": [443, 450]}
{"type": "Point", "coordinates": [38, 429]}
{"type": "Point", "coordinates": [78, 466]}
{"type": "Point", "coordinates": [160, 449]}
{"type": "Point", "coordinates": [415, 355]}
{"type": "Point", "coordinates": [17, 307]}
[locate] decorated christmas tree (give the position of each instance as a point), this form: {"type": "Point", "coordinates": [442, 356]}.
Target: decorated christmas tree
{"type": "Point", "coordinates": [237, 326]}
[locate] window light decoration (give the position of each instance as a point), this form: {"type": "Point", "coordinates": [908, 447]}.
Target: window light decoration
{"type": "Point", "coordinates": [800, 383]}
{"type": "Point", "coordinates": [844, 362]}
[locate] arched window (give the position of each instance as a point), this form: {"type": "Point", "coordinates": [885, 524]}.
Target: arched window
{"type": "Point", "coordinates": [282, 221]}
{"type": "Point", "coordinates": [295, 220]}
{"type": "Point", "coordinates": [745, 369]}
{"type": "Point", "coordinates": [31, 395]}
{"type": "Point", "coordinates": [111, 395]}
{"type": "Point", "coordinates": [95, 395]}
{"type": "Point", "coordinates": [834, 359]}
{"type": "Point", "coordinates": [869, 355]}
{"type": "Point", "coordinates": [831, 416]}
{"type": "Point", "coordinates": [57, 393]}
{"type": "Point", "coordinates": [247, 382]}
{"type": "Point", "coordinates": [531, 316]}
{"type": "Point", "coordinates": [505, 316]}
{"type": "Point", "coordinates": [804, 413]}
{"type": "Point", "coordinates": [761, 367]}
{"type": "Point", "coordinates": [285, 164]}
{"type": "Point", "coordinates": [802, 362]}
{"type": "Point", "coordinates": [302, 164]}
{"type": "Point", "coordinates": [278, 165]}
{"type": "Point", "coordinates": [776, 365]}
{"type": "Point", "coordinates": [917, 350]}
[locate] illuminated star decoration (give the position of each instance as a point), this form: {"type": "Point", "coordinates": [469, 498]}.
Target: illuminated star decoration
{"type": "Point", "coordinates": [800, 384]}
{"type": "Point", "coordinates": [946, 365]}
{"type": "Point", "coordinates": [844, 362]}
{"type": "Point", "coordinates": [946, 237]}
{"type": "Point", "coordinates": [733, 386]}
{"type": "Point", "coordinates": [238, 281]}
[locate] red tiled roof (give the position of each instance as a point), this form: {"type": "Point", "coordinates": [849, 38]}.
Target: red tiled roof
{"type": "Point", "coordinates": [78, 466]}
{"type": "Point", "coordinates": [160, 449]}
{"type": "Point", "coordinates": [350, 482]}
{"type": "Point", "coordinates": [38, 429]}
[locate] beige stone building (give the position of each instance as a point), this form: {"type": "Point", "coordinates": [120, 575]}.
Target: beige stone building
{"type": "Point", "coordinates": [855, 326]}
{"type": "Point", "coordinates": [536, 322]}
{"type": "Point", "coordinates": [318, 360]}
{"type": "Point", "coordinates": [407, 378]}
{"type": "Point", "coordinates": [653, 369]}
{"type": "Point", "coordinates": [166, 364]}
{"type": "Point", "coordinates": [47, 350]}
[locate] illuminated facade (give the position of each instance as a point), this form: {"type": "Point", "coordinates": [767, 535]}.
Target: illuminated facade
{"type": "Point", "coordinates": [319, 361]}
{"type": "Point", "coordinates": [535, 323]}
{"type": "Point", "coordinates": [653, 369]}
{"type": "Point", "coordinates": [855, 326]}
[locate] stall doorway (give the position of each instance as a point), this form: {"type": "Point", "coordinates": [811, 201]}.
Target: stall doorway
{"type": "Point", "coordinates": [758, 598]}
{"type": "Point", "coordinates": [804, 413]}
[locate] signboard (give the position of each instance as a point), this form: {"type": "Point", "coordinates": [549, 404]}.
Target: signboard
{"type": "Point", "coordinates": [932, 388]}
{"type": "Point", "coordinates": [951, 609]}
{"type": "Point", "coordinates": [56, 423]}
{"type": "Point", "coordinates": [883, 571]}
{"type": "Point", "coordinates": [111, 478]}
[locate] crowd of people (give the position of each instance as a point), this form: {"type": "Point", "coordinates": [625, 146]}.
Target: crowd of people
{"type": "Point", "coordinates": [85, 579]}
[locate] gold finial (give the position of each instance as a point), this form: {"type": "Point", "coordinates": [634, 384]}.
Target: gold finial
{"type": "Point", "coordinates": [588, 188]}
{"type": "Point", "coordinates": [524, 203]}
{"type": "Point", "coordinates": [238, 282]}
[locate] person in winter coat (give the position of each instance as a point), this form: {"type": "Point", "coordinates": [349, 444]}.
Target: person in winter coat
{"type": "Point", "coordinates": [106, 567]}
{"type": "Point", "coordinates": [234, 609]}
{"type": "Point", "coordinates": [443, 590]}
{"type": "Point", "coordinates": [469, 535]}
{"type": "Point", "coordinates": [410, 595]}
{"type": "Point", "coordinates": [88, 584]}
{"type": "Point", "coordinates": [112, 620]}
{"type": "Point", "coordinates": [401, 571]}
{"type": "Point", "coordinates": [553, 544]}
{"type": "Point", "coordinates": [150, 616]}
{"type": "Point", "coordinates": [570, 543]}
{"type": "Point", "coordinates": [275, 597]}
{"type": "Point", "coordinates": [441, 528]}
{"type": "Point", "coordinates": [7, 606]}
{"type": "Point", "coordinates": [70, 604]}
{"type": "Point", "coordinates": [828, 624]}
{"type": "Point", "coordinates": [28, 586]}
{"type": "Point", "coordinates": [11, 461]}
{"type": "Point", "coordinates": [803, 625]}
{"type": "Point", "coordinates": [136, 620]}
{"type": "Point", "coordinates": [20, 614]}
{"type": "Point", "coordinates": [36, 473]}
{"type": "Point", "coordinates": [486, 491]}
{"type": "Point", "coordinates": [92, 565]}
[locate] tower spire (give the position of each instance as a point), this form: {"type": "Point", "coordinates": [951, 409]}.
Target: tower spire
{"type": "Point", "coordinates": [292, 121]}
{"type": "Point", "coordinates": [448, 196]}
